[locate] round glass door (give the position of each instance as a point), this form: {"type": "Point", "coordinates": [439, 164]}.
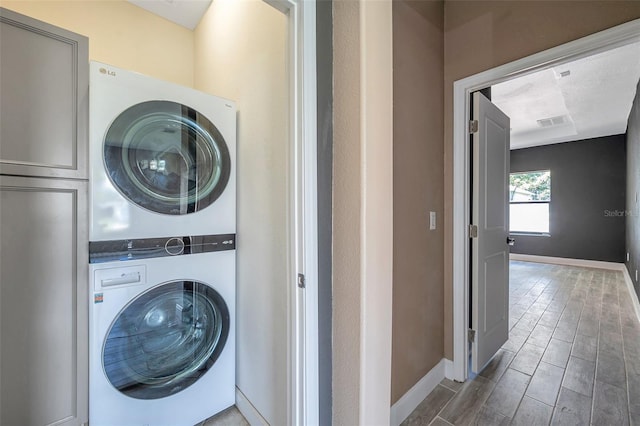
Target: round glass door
{"type": "Point", "coordinates": [166, 339]}
{"type": "Point", "coordinates": [166, 157]}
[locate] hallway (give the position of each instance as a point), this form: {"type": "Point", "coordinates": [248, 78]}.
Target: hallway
{"type": "Point", "coordinates": [572, 358]}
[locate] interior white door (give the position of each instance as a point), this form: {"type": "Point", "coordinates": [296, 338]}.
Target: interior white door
{"type": "Point", "coordinates": [490, 216]}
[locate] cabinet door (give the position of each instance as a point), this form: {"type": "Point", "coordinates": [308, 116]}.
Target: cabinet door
{"type": "Point", "coordinates": [44, 86]}
{"type": "Point", "coordinates": [43, 301]}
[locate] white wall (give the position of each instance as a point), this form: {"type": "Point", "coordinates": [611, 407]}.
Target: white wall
{"type": "Point", "coordinates": [240, 54]}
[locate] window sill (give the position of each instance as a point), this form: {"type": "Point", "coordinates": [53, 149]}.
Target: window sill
{"type": "Point", "coordinates": [529, 234]}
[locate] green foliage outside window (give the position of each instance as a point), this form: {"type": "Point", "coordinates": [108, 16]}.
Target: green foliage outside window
{"type": "Point", "coordinates": [530, 186]}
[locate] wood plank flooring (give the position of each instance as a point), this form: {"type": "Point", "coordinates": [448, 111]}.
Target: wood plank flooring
{"type": "Point", "coordinates": [572, 358]}
{"type": "Point", "coordinates": [229, 417]}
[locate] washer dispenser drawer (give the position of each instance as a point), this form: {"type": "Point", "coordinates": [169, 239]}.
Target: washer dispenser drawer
{"type": "Point", "coordinates": [120, 276]}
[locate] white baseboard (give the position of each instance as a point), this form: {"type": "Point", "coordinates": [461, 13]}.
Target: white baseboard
{"type": "Point", "coordinates": [410, 400]}
{"type": "Point", "coordinates": [567, 261]}
{"type": "Point", "coordinates": [249, 412]}
{"type": "Point", "coordinates": [448, 370]}
{"type": "Point", "coordinates": [632, 292]}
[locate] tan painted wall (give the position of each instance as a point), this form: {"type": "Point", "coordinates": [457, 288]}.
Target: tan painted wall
{"type": "Point", "coordinates": [376, 192]}
{"type": "Point", "coordinates": [121, 34]}
{"type": "Point", "coordinates": [346, 213]}
{"type": "Point", "coordinates": [362, 211]}
{"type": "Point", "coordinates": [418, 257]}
{"type": "Point", "coordinates": [481, 35]}
{"type": "Point", "coordinates": [241, 54]}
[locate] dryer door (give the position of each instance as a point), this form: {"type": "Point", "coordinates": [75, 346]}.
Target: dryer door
{"type": "Point", "coordinates": [166, 339]}
{"type": "Point", "coordinates": [166, 157]}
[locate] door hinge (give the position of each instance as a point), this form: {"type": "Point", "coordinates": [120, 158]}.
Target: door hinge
{"type": "Point", "coordinates": [302, 281]}
{"type": "Point", "coordinates": [473, 126]}
{"type": "Point", "coordinates": [471, 335]}
{"type": "Point", "coordinates": [473, 231]}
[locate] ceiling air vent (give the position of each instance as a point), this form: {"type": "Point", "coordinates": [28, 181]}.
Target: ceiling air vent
{"type": "Point", "coordinates": [552, 121]}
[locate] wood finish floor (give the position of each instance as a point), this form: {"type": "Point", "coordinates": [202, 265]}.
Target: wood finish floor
{"type": "Point", "coordinates": [572, 358]}
{"type": "Point", "coordinates": [229, 417]}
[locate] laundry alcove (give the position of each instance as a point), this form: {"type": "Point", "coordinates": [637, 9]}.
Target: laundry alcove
{"type": "Point", "coordinates": [238, 51]}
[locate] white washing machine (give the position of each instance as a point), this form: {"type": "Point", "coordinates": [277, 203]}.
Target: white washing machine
{"type": "Point", "coordinates": [162, 338]}
{"type": "Point", "coordinates": [162, 158]}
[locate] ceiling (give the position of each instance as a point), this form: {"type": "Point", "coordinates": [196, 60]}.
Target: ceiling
{"type": "Point", "coordinates": [587, 98]}
{"type": "Point", "coordinates": [183, 12]}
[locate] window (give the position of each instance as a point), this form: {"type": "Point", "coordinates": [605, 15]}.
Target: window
{"type": "Point", "coordinates": [529, 197]}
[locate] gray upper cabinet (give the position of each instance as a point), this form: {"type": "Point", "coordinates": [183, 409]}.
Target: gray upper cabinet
{"type": "Point", "coordinates": [44, 329]}
{"type": "Point", "coordinates": [44, 94]}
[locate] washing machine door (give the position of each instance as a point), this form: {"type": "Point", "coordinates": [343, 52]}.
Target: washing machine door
{"type": "Point", "coordinates": [166, 339]}
{"type": "Point", "coordinates": [166, 157]}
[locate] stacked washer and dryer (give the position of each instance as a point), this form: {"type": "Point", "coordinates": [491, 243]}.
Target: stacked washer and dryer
{"type": "Point", "coordinates": [162, 251]}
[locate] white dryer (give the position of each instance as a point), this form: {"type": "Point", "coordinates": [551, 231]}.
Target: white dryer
{"type": "Point", "coordinates": [162, 339]}
{"type": "Point", "coordinates": [162, 158]}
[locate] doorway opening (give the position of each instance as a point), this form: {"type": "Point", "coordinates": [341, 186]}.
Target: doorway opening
{"type": "Point", "coordinates": [606, 40]}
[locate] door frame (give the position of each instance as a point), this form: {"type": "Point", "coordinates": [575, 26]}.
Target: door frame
{"type": "Point", "coordinates": [302, 213]}
{"type": "Point", "coordinates": [595, 43]}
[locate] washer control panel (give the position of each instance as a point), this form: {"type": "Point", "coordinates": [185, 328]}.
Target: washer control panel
{"type": "Point", "coordinates": [144, 248]}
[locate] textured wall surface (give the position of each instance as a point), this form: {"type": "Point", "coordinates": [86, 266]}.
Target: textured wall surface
{"type": "Point", "coordinates": [418, 253]}
{"type": "Point", "coordinates": [586, 213]}
{"type": "Point", "coordinates": [250, 67]}
{"type": "Point", "coordinates": [363, 212]}
{"type": "Point", "coordinates": [632, 233]}
{"type": "Point", "coordinates": [346, 213]}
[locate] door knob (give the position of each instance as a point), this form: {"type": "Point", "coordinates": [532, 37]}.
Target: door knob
{"type": "Point", "coordinates": [511, 241]}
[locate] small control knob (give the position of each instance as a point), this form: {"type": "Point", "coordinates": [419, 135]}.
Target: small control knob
{"type": "Point", "coordinates": [174, 246]}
